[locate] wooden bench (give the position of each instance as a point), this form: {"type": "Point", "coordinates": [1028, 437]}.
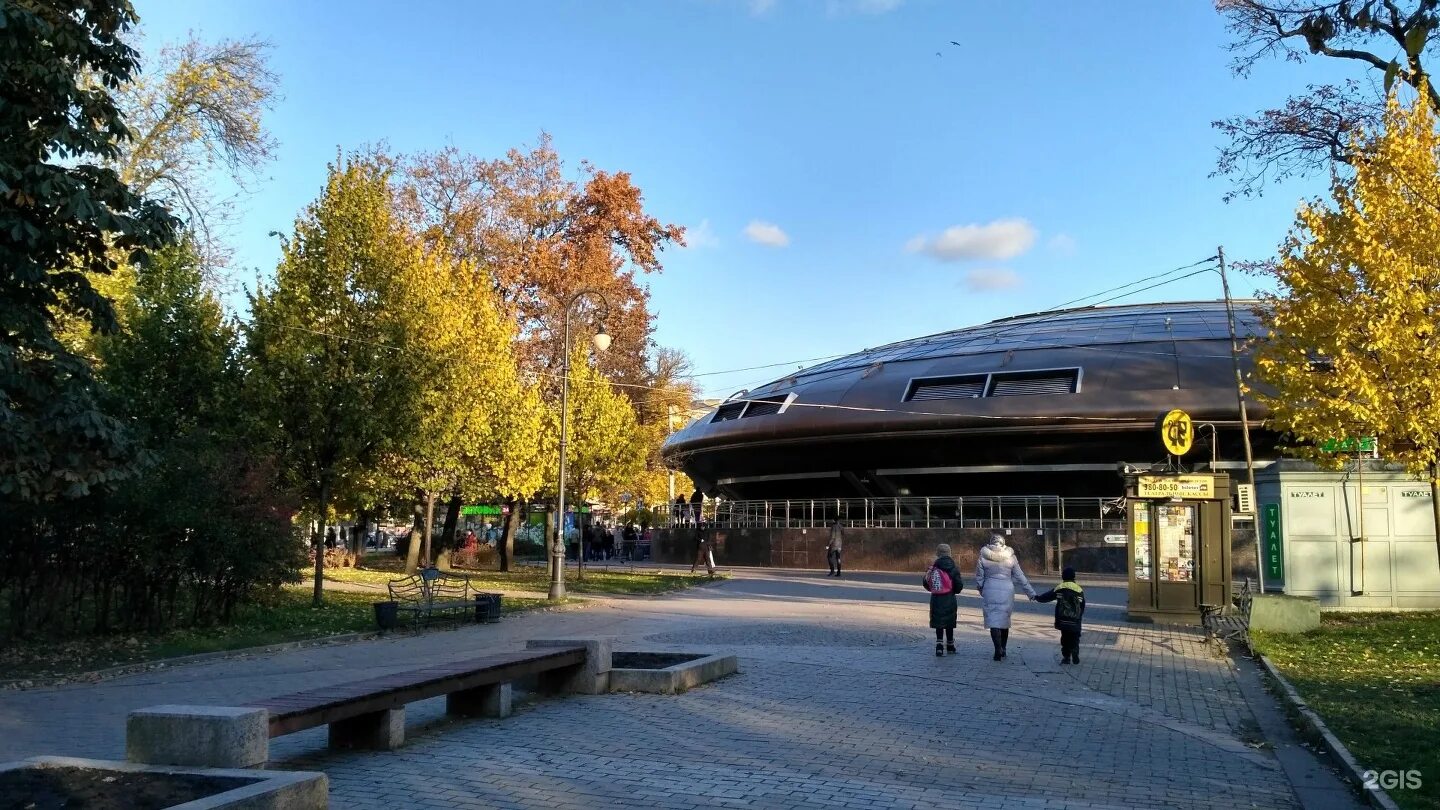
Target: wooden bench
{"type": "Point", "coordinates": [431, 593]}
{"type": "Point", "coordinates": [371, 713]}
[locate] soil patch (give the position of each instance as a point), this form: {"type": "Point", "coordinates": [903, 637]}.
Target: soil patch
{"type": "Point", "coordinates": [645, 660]}
{"type": "Point", "coordinates": [71, 788]}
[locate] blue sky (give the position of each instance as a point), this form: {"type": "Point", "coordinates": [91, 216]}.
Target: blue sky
{"type": "Point", "coordinates": [843, 185]}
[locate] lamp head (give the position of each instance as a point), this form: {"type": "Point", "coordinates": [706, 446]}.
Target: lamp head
{"type": "Point", "coordinates": [601, 340]}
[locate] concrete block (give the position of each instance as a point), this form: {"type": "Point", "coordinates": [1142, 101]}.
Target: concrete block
{"type": "Point", "coordinates": [674, 679]}
{"type": "Point", "coordinates": [376, 731]}
{"type": "Point", "coordinates": [1279, 613]}
{"type": "Point", "coordinates": [253, 790]}
{"type": "Point", "coordinates": [590, 678]}
{"type": "Point", "coordinates": [209, 736]}
{"type": "Point", "coordinates": [496, 700]}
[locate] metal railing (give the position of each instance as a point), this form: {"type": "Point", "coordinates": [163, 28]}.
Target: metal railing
{"type": "Point", "coordinates": [970, 512]}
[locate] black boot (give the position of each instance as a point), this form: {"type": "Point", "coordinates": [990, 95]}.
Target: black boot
{"type": "Point", "coordinates": [939, 650]}
{"type": "Point", "coordinates": [995, 640]}
{"type": "Point", "coordinates": [1004, 640]}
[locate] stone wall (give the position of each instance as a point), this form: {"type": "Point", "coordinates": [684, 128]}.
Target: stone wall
{"type": "Point", "coordinates": [914, 549]}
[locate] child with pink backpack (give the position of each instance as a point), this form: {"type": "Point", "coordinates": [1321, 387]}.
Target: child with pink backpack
{"type": "Point", "coordinates": [943, 582]}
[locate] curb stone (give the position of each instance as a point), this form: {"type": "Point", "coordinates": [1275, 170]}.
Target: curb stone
{"type": "Point", "coordinates": [1337, 751]}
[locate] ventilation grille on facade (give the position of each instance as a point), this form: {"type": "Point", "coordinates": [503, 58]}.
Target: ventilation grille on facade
{"type": "Point", "coordinates": [967, 387]}
{"type": "Point", "coordinates": [1019, 384]}
{"type": "Point", "coordinates": [728, 411]}
{"type": "Point", "coordinates": [765, 407]}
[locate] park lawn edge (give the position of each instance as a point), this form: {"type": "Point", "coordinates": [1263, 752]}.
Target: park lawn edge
{"type": "Point", "coordinates": [1351, 676]}
{"type": "Point", "coordinates": [163, 651]}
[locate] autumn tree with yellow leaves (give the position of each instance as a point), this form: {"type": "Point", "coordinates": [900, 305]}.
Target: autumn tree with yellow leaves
{"type": "Point", "coordinates": [1354, 330]}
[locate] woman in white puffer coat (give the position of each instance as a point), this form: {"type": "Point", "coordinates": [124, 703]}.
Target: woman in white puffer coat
{"type": "Point", "coordinates": [996, 576]}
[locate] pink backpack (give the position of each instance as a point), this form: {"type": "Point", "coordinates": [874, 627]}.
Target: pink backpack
{"type": "Point", "coordinates": [937, 581]}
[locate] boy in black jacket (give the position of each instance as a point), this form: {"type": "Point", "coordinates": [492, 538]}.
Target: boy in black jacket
{"type": "Point", "coordinates": [1069, 601]}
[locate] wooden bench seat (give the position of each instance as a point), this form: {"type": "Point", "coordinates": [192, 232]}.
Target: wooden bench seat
{"type": "Point", "coordinates": [370, 713]}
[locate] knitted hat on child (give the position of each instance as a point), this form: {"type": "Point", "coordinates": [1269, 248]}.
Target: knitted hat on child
{"type": "Point", "coordinates": [942, 550]}
{"type": "Point", "coordinates": [1068, 574]}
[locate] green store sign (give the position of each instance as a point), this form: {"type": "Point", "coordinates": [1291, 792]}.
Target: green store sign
{"type": "Point", "coordinates": [1271, 553]}
{"type": "Point", "coordinates": [1364, 444]}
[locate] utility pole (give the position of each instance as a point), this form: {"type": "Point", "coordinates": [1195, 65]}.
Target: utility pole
{"type": "Point", "coordinates": [670, 416]}
{"type": "Point", "coordinates": [1244, 418]}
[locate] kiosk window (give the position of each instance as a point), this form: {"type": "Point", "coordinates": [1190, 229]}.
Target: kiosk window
{"type": "Point", "coordinates": [1175, 533]}
{"type": "Point", "coordinates": [1142, 542]}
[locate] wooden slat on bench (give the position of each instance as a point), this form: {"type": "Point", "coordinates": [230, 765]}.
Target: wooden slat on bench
{"type": "Point", "coordinates": [317, 707]}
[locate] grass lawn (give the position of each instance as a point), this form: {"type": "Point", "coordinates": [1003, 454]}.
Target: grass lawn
{"type": "Point", "coordinates": [380, 569]}
{"type": "Point", "coordinates": [287, 617]}
{"type": "Point", "coordinates": [1375, 678]}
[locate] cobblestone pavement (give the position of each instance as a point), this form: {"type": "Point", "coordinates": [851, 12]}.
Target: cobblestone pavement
{"type": "Point", "coordinates": [840, 702]}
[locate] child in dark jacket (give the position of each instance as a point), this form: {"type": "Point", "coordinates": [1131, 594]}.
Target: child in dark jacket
{"type": "Point", "coordinates": [1069, 599]}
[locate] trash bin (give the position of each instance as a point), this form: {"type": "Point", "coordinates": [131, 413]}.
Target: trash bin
{"type": "Point", "coordinates": [387, 615]}
{"type": "Point", "coordinates": [488, 609]}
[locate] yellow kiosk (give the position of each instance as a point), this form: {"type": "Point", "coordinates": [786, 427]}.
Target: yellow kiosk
{"type": "Point", "coordinates": [1179, 535]}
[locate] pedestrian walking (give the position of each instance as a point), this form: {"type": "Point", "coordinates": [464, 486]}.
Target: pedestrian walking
{"type": "Point", "coordinates": [997, 575]}
{"type": "Point", "coordinates": [681, 509]}
{"type": "Point", "coordinates": [1069, 599]}
{"type": "Point", "coordinates": [943, 582]}
{"type": "Point", "coordinates": [703, 551]}
{"type": "Point", "coordinates": [697, 500]}
{"type": "Point", "coordinates": [832, 549]}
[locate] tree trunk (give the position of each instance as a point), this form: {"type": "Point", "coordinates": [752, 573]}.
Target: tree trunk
{"type": "Point", "coordinates": [360, 538]}
{"type": "Point", "coordinates": [319, 598]}
{"type": "Point", "coordinates": [507, 533]}
{"type": "Point", "coordinates": [1435, 502]}
{"type": "Point", "coordinates": [412, 551]}
{"type": "Point", "coordinates": [452, 521]}
{"type": "Point", "coordinates": [429, 527]}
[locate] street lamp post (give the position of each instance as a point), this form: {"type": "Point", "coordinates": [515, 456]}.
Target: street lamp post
{"type": "Point", "coordinates": [602, 342]}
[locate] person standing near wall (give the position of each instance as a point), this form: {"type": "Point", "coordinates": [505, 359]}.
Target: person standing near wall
{"type": "Point", "coordinates": [697, 500]}
{"type": "Point", "coordinates": [833, 548]}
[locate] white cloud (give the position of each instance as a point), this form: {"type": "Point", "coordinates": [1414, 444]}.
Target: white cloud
{"type": "Point", "coordinates": [701, 236]}
{"type": "Point", "coordinates": [991, 279]}
{"type": "Point", "coordinates": [1001, 239]}
{"type": "Point", "coordinates": [1062, 243]}
{"type": "Point", "coordinates": [766, 233]}
{"type": "Point", "coordinates": [760, 8]}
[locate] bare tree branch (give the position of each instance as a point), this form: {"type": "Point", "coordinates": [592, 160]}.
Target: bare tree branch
{"type": "Point", "coordinates": [1312, 132]}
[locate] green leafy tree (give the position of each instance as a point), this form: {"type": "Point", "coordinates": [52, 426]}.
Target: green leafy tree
{"type": "Point", "coordinates": [330, 339]}
{"type": "Point", "coordinates": [477, 432]}
{"type": "Point", "coordinates": [1354, 332]}
{"type": "Point", "coordinates": [206, 514]}
{"type": "Point", "coordinates": [605, 449]}
{"type": "Point", "coordinates": [174, 369]}
{"type": "Point", "coordinates": [63, 220]}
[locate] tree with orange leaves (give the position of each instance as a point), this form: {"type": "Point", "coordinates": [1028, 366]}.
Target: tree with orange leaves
{"type": "Point", "coordinates": [540, 237]}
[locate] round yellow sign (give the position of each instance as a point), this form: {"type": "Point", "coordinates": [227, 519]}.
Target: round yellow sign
{"type": "Point", "coordinates": [1177, 432]}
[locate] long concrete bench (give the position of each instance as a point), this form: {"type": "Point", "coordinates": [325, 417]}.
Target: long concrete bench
{"type": "Point", "coordinates": [362, 714]}
{"type": "Point", "coordinates": [371, 713]}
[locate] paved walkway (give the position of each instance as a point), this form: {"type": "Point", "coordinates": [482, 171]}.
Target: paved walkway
{"type": "Point", "coordinates": [840, 702]}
